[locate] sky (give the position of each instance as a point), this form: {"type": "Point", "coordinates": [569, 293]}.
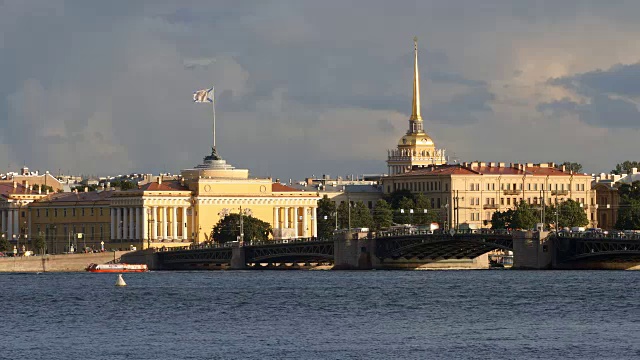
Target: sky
{"type": "Point", "coordinates": [305, 88]}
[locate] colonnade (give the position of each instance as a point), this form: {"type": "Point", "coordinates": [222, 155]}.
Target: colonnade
{"type": "Point", "coordinates": [10, 222]}
{"type": "Point", "coordinates": [149, 223]}
{"type": "Point", "coordinates": [293, 217]}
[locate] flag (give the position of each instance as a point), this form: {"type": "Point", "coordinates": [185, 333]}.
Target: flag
{"type": "Point", "coordinates": [201, 96]}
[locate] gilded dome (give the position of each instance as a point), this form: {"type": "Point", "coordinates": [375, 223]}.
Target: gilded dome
{"type": "Point", "coordinates": [416, 140]}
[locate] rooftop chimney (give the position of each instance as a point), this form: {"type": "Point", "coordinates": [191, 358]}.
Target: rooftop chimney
{"type": "Point", "coordinates": [159, 179]}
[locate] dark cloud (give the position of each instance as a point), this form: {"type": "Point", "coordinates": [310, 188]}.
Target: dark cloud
{"type": "Point", "coordinates": [609, 93]}
{"type": "Point", "coordinates": [464, 108]}
{"type": "Point", "coordinates": [105, 87]}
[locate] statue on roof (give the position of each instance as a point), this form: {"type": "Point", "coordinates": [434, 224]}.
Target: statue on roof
{"type": "Point", "coordinates": [214, 155]}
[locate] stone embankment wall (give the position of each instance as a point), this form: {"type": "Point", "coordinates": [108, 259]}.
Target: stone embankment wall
{"type": "Point", "coordinates": [65, 262]}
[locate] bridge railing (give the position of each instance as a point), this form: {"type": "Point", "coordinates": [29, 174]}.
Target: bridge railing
{"type": "Point", "coordinates": [234, 243]}
{"type": "Point", "coordinates": [408, 232]}
{"type": "Point", "coordinates": [599, 235]}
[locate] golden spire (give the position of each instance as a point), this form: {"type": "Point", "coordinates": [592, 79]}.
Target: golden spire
{"type": "Point", "coordinates": [415, 107]}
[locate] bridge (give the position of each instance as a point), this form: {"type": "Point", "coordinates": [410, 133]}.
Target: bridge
{"type": "Point", "coordinates": [575, 248]}
{"type": "Point", "coordinates": [379, 250]}
{"type": "Point", "coordinates": [411, 249]}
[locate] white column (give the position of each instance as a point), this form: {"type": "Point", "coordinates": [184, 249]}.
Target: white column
{"type": "Point", "coordinates": [144, 224]}
{"type": "Point", "coordinates": [193, 223]}
{"type": "Point", "coordinates": [297, 221]}
{"type": "Point", "coordinates": [183, 223]}
{"type": "Point", "coordinates": [132, 216]}
{"type": "Point", "coordinates": [305, 227]}
{"type": "Point", "coordinates": [154, 223]}
{"type": "Point", "coordinates": [314, 222]}
{"type": "Point", "coordinates": [3, 215]}
{"type": "Point", "coordinates": [276, 217]}
{"type": "Point", "coordinates": [113, 223]}
{"type": "Point", "coordinates": [118, 223]}
{"type": "Point", "coordinates": [138, 233]}
{"type": "Point", "coordinates": [165, 212]}
{"type": "Point", "coordinates": [16, 223]}
{"type": "Point", "coordinates": [9, 224]}
{"type": "Point", "coordinates": [286, 217]}
{"type": "Point", "coordinates": [174, 222]}
{"type": "Point", "coordinates": [125, 224]}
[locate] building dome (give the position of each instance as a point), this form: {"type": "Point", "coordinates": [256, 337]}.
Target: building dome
{"type": "Point", "coordinates": [415, 140]}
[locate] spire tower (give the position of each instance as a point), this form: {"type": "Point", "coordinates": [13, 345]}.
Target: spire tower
{"type": "Point", "coordinates": [415, 121]}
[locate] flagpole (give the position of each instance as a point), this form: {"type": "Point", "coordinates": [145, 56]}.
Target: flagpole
{"type": "Point", "coordinates": [213, 96]}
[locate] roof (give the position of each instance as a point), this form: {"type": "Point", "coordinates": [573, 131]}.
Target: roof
{"type": "Point", "coordinates": [90, 196]}
{"type": "Point", "coordinates": [277, 187]}
{"type": "Point", "coordinates": [7, 189]}
{"type": "Point", "coordinates": [489, 170]}
{"type": "Point", "coordinates": [164, 186]}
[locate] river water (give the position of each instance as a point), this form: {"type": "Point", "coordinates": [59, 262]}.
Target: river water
{"type": "Point", "coordinates": [322, 315]}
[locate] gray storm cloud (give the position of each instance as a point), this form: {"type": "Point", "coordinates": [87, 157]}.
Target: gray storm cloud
{"type": "Point", "coordinates": [306, 88]}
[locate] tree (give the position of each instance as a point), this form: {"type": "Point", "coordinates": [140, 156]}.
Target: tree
{"type": "Point", "coordinates": [361, 216]}
{"type": "Point", "coordinates": [402, 213]}
{"type": "Point", "coordinates": [39, 245]}
{"type": "Point", "coordinates": [326, 218]}
{"type": "Point", "coordinates": [572, 166]}
{"type": "Point", "coordinates": [571, 214]}
{"type": "Point", "coordinates": [423, 214]}
{"type": "Point", "coordinates": [123, 184]}
{"type": "Point", "coordinates": [228, 229]}
{"type": "Point", "coordinates": [5, 245]}
{"type": "Point", "coordinates": [625, 167]}
{"type": "Point", "coordinates": [396, 197]}
{"type": "Point", "coordinates": [524, 216]}
{"type": "Point", "coordinates": [502, 219]}
{"type": "Point", "coordinates": [343, 215]}
{"type": "Point", "coordinates": [629, 212]}
{"type": "Point", "coordinates": [382, 215]}
{"type": "Point", "coordinates": [43, 188]}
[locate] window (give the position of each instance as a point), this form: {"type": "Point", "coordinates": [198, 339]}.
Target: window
{"type": "Point", "coordinates": [46, 212]}
{"type": "Point", "coordinates": [369, 204]}
{"type": "Point", "coordinates": [514, 186]}
{"type": "Point", "coordinates": [493, 186]}
{"type": "Point", "coordinates": [38, 213]}
{"type": "Point", "coordinates": [73, 212]}
{"type": "Point", "coordinates": [100, 211]}
{"type": "Point", "coordinates": [508, 201]}
{"type": "Point", "coordinates": [488, 187]}
{"type": "Point", "coordinates": [64, 212]}
{"type": "Point", "coordinates": [55, 212]}
{"type": "Point", "coordinates": [101, 232]}
{"type": "Point", "coordinates": [82, 211]}
{"type": "Point", "coordinates": [529, 200]}
{"type": "Point", "coordinates": [91, 211]}
{"type": "Point", "coordinates": [528, 186]}
{"type": "Point", "coordinates": [501, 201]}
{"type": "Point", "coordinates": [471, 188]}
{"type": "Point", "coordinates": [535, 186]}
{"type": "Point", "coordinates": [438, 202]}
{"type": "Point", "coordinates": [446, 187]}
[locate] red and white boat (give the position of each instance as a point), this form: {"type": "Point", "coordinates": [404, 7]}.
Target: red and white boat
{"type": "Point", "coordinates": [117, 268]}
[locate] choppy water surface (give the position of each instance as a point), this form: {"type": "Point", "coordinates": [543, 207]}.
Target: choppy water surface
{"type": "Point", "coordinates": [321, 314]}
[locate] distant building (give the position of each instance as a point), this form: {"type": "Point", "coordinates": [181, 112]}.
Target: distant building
{"type": "Point", "coordinates": [27, 178]}
{"type": "Point", "coordinates": [607, 196]}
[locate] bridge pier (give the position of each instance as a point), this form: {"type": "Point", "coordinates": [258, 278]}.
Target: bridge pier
{"type": "Point", "coordinates": [238, 258]}
{"type": "Point", "coordinates": [355, 251]}
{"type": "Point", "coordinates": [533, 250]}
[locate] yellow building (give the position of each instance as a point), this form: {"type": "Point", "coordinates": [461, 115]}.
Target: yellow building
{"type": "Point", "coordinates": [74, 221]}
{"type": "Point", "coordinates": [15, 221]}
{"type": "Point", "coordinates": [176, 213]}
{"type": "Point", "coordinates": [470, 193]}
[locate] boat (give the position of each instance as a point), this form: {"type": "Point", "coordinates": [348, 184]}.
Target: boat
{"type": "Point", "coordinates": [117, 268]}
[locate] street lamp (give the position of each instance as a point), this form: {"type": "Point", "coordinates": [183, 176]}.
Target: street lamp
{"type": "Point", "coordinates": [149, 221]}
